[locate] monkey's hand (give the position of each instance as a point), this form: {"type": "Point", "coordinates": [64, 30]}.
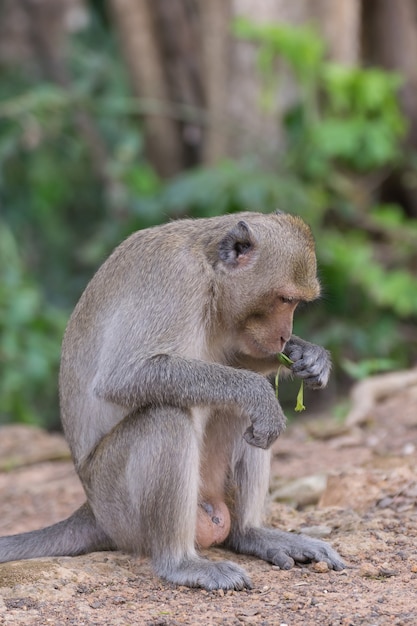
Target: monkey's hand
{"type": "Point", "coordinates": [311, 363]}
{"type": "Point", "coordinates": [266, 416]}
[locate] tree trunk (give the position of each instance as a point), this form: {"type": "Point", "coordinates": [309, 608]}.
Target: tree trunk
{"type": "Point", "coordinates": [215, 41]}
{"type": "Point", "coordinates": [339, 24]}
{"type": "Point", "coordinates": [179, 39]}
{"type": "Point", "coordinates": [57, 19]}
{"type": "Point", "coordinates": [389, 40]}
{"type": "Point", "coordinates": [134, 21]}
{"type": "Point", "coordinates": [46, 38]}
{"type": "Point", "coordinates": [182, 53]}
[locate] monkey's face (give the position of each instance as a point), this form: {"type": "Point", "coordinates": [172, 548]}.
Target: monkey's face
{"type": "Point", "coordinates": [267, 329]}
{"type": "Point", "coordinates": [267, 267]}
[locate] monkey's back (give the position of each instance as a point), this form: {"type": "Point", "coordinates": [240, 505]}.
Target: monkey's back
{"type": "Point", "coordinates": [129, 311]}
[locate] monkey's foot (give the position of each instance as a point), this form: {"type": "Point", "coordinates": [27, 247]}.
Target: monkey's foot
{"type": "Point", "coordinates": [198, 572]}
{"type": "Point", "coordinates": [284, 549]}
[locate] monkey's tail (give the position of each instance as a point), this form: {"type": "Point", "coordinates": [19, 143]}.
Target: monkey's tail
{"type": "Point", "coordinates": [78, 534]}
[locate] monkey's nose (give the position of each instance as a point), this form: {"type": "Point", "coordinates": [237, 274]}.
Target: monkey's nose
{"type": "Point", "coordinates": [282, 344]}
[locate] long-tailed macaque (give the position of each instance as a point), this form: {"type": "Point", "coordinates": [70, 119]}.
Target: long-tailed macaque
{"type": "Point", "coordinates": [165, 400]}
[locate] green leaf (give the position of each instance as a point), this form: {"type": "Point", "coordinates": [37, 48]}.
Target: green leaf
{"type": "Point", "coordinates": [367, 367]}
{"type": "Point", "coordinates": [287, 362]}
{"type": "Point", "coordinates": [282, 358]}
{"type": "Point", "coordinates": [300, 399]}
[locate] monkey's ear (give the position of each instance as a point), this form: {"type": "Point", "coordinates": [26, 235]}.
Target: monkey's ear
{"type": "Point", "coordinates": [236, 246]}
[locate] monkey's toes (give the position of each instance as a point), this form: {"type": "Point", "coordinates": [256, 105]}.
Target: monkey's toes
{"type": "Point", "coordinates": [225, 575]}
{"type": "Point", "coordinates": [302, 549]}
{"type": "Point", "coordinates": [199, 572]}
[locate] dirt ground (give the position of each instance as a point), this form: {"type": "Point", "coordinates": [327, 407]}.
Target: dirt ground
{"type": "Point", "coordinates": [356, 488]}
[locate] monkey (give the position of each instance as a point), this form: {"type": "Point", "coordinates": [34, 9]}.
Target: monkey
{"type": "Point", "coordinates": [165, 399]}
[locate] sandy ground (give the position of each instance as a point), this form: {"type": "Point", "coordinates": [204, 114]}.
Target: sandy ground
{"type": "Point", "coordinates": [356, 488]}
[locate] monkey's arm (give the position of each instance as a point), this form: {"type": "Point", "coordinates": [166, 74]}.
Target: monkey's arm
{"type": "Point", "coordinates": [311, 362]}
{"type": "Point", "coordinates": [177, 381]}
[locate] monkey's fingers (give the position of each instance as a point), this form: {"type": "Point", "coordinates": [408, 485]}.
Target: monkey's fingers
{"type": "Point", "coordinates": [311, 363]}
{"type": "Point", "coordinates": [314, 382]}
{"type": "Point", "coordinates": [259, 438]}
{"type": "Point", "coordinates": [315, 375]}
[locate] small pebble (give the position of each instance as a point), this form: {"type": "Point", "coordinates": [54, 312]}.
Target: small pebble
{"type": "Point", "coordinates": [369, 571]}
{"type": "Point", "coordinates": [408, 449]}
{"type": "Point", "coordinates": [319, 530]}
{"type": "Point", "coordinates": [321, 567]}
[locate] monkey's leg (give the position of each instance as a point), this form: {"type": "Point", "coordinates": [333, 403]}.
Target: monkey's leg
{"type": "Point", "coordinates": [250, 477]}
{"type": "Point", "coordinates": [142, 481]}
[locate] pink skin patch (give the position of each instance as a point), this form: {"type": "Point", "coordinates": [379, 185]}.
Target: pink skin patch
{"type": "Point", "coordinates": [213, 523]}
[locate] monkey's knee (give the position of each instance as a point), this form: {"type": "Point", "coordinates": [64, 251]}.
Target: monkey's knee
{"type": "Point", "coordinates": [213, 524]}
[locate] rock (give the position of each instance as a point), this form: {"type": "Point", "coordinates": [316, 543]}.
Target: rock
{"type": "Point", "coordinates": [320, 567]}
{"type": "Point", "coordinates": [316, 531]}
{"type": "Point", "coordinates": [369, 571]}
{"type": "Point", "coordinates": [26, 445]}
{"type": "Point", "coordinates": [301, 491]}
{"type": "Point", "coordinates": [362, 488]}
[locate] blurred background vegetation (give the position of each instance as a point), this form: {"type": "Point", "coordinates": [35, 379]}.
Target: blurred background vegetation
{"type": "Point", "coordinates": [119, 115]}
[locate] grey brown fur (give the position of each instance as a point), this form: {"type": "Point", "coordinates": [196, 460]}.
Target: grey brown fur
{"type": "Point", "coordinates": [164, 396]}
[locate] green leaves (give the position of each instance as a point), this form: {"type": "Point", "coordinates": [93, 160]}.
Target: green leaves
{"type": "Point", "coordinates": [300, 399]}
{"type": "Point", "coordinates": [343, 136]}
{"type": "Point", "coordinates": [352, 256]}
{"type": "Point", "coordinates": [30, 339]}
{"type": "Point", "coordinates": [367, 367]}
{"type": "Point", "coordinates": [300, 47]}
{"type": "Point", "coordinates": [346, 125]}
{"type": "Point", "coordinates": [345, 114]}
{"type": "Point", "coordinates": [286, 362]}
{"type": "Point", "coordinates": [369, 91]}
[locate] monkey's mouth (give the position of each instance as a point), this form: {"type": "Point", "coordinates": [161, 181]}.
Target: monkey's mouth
{"type": "Point", "coordinates": [256, 349]}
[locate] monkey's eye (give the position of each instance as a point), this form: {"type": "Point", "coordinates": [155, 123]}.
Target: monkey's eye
{"type": "Point", "coordinates": [286, 300]}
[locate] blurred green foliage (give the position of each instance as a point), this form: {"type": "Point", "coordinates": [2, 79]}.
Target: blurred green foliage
{"type": "Point", "coordinates": [344, 129]}
{"type": "Point", "coordinates": [30, 329]}
{"type": "Point", "coordinates": [61, 217]}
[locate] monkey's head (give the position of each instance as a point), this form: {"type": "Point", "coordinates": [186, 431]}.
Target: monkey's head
{"type": "Point", "coordinates": [266, 266]}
